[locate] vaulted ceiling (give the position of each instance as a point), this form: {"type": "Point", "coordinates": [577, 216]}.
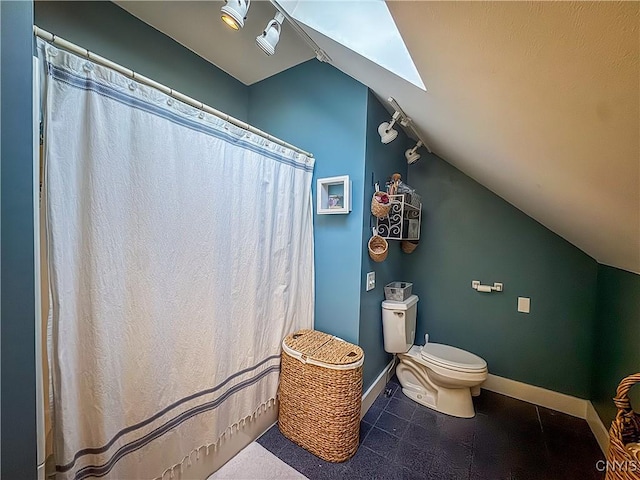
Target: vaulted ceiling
{"type": "Point", "coordinates": [538, 101]}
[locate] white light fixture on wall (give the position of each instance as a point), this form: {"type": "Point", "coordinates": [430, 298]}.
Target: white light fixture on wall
{"type": "Point", "coordinates": [234, 13]}
{"type": "Point", "coordinates": [269, 38]}
{"type": "Point", "coordinates": [387, 133]}
{"type": "Point", "coordinates": [412, 154]}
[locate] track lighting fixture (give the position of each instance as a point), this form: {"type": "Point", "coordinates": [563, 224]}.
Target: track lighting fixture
{"type": "Point", "coordinates": [234, 13]}
{"type": "Point", "coordinates": [412, 154]}
{"type": "Point", "coordinates": [269, 38]}
{"type": "Point", "coordinates": [387, 133]}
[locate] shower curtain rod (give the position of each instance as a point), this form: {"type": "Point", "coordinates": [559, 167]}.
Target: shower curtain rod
{"type": "Point", "coordinates": [72, 47]}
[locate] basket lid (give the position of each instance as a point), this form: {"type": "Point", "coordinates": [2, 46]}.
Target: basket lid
{"type": "Point", "coordinates": [319, 348]}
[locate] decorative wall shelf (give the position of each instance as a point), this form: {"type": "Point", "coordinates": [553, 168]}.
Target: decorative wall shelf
{"type": "Point", "coordinates": [333, 195]}
{"type": "Point", "coordinates": [403, 221]}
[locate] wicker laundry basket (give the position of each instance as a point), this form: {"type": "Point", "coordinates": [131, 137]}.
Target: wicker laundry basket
{"type": "Point", "coordinates": [320, 394]}
{"type": "Point", "coordinates": [625, 429]}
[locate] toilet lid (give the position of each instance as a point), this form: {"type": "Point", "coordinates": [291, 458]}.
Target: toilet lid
{"type": "Point", "coordinates": [452, 357]}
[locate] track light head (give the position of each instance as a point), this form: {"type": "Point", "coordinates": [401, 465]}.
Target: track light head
{"type": "Point", "coordinates": [234, 13]}
{"type": "Point", "coordinates": [269, 38]}
{"type": "Point", "coordinates": [412, 154]}
{"type": "Point", "coordinates": [386, 131]}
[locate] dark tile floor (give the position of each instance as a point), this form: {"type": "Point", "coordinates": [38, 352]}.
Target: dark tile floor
{"type": "Point", "coordinates": [507, 439]}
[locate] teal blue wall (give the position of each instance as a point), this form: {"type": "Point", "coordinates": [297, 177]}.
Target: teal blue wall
{"type": "Point", "coordinates": [18, 404]}
{"type": "Point", "coordinates": [382, 161]}
{"type": "Point", "coordinates": [106, 29]}
{"type": "Point", "coordinates": [469, 233]}
{"type": "Point", "coordinates": [322, 110]}
{"type": "Point", "coordinates": [617, 337]}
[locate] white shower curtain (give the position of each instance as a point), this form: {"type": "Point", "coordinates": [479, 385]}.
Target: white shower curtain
{"type": "Point", "coordinates": [181, 253]}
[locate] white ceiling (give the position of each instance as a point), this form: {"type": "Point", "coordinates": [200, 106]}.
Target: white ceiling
{"type": "Point", "coordinates": [538, 101]}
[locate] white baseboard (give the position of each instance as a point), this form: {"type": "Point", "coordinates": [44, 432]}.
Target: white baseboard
{"type": "Point", "coordinates": [537, 395]}
{"type": "Point", "coordinates": [577, 407]}
{"type": "Point", "coordinates": [374, 390]}
{"type": "Point", "coordinates": [598, 428]}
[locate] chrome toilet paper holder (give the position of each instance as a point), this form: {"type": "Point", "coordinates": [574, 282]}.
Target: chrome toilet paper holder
{"type": "Point", "coordinates": [476, 285]}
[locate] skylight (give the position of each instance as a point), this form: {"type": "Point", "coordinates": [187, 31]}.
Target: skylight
{"type": "Point", "coordinates": [364, 26]}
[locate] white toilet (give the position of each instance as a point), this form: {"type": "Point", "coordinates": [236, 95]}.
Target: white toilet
{"type": "Point", "coordinates": [437, 376]}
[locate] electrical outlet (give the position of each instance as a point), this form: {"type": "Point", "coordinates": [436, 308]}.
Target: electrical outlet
{"type": "Point", "coordinates": [371, 281]}
{"type": "Point", "coordinates": [524, 304]}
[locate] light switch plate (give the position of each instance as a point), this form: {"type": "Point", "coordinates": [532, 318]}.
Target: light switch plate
{"type": "Point", "coordinates": [524, 304]}
{"type": "Point", "coordinates": [371, 281]}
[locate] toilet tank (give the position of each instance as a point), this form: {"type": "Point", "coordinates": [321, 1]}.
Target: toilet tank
{"type": "Point", "coordinates": [399, 324]}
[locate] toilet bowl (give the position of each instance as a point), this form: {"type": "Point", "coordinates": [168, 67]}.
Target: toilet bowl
{"type": "Point", "coordinates": [438, 376]}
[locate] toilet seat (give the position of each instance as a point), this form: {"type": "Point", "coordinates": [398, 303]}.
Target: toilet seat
{"type": "Point", "coordinates": [415, 354]}
{"type": "Point", "coordinates": [452, 358]}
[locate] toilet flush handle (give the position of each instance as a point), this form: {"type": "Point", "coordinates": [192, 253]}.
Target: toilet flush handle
{"type": "Point", "coordinates": [398, 314]}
